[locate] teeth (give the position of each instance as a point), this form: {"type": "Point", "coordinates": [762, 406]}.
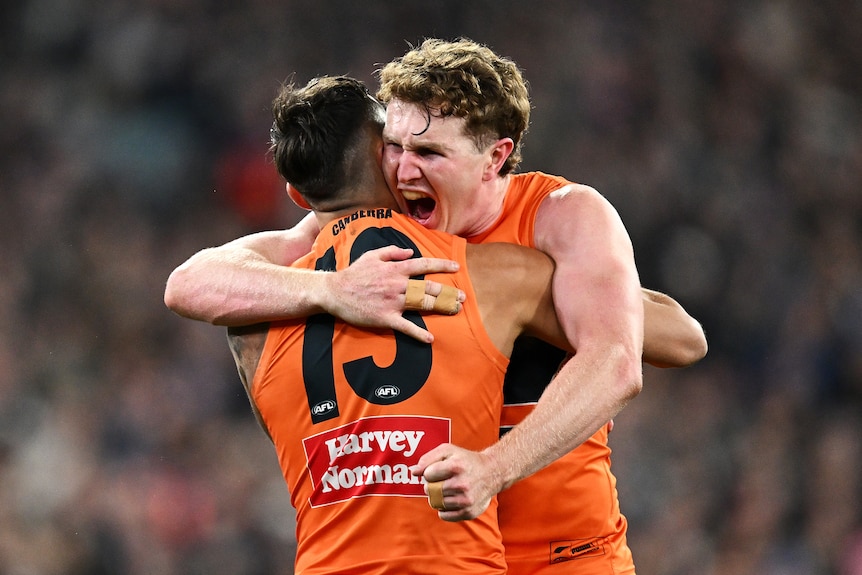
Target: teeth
{"type": "Point", "coordinates": [413, 195]}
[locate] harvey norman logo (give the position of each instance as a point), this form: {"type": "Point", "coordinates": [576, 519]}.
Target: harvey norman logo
{"type": "Point", "coordinates": [371, 456]}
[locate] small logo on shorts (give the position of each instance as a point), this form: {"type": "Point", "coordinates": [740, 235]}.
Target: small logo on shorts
{"type": "Point", "coordinates": [576, 549]}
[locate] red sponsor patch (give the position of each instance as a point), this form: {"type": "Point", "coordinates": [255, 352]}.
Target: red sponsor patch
{"type": "Point", "coordinates": [371, 456]}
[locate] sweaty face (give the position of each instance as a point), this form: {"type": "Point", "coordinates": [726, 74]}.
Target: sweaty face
{"type": "Point", "coordinates": [438, 170]}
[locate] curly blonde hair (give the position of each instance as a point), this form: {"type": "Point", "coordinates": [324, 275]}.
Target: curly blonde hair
{"type": "Point", "coordinates": [467, 80]}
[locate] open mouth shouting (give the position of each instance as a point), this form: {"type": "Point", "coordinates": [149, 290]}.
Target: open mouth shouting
{"type": "Point", "coordinates": [419, 206]}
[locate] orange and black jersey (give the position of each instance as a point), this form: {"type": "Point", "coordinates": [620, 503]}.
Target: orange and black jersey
{"type": "Point", "coordinates": [350, 410]}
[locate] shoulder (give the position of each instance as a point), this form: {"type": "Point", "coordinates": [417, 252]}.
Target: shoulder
{"type": "Point", "coordinates": [533, 188]}
{"type": "Point", "coordinates": [539, 181]}
{"type": "Point", "coordinates": [572, 192]}
{"type": "Point", "coordinates": [575, 210]}
{"type": "Point", "coordinates": [575, 201]}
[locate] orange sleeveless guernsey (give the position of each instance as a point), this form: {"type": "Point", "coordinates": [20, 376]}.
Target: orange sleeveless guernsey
{"type": "Point", "coordinates": [350, 410]}
{"type": "Point", "coordinates": [565, 518]}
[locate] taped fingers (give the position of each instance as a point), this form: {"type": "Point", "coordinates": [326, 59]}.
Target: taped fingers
{"type": "Point", "coordinates": [435, 495]}
{"type": "Point", "coordinates": [447, 300]}
{"type": "Point", "coordinates": [417, 298]}
{"type": "Point", "coordinates": [414, 297]}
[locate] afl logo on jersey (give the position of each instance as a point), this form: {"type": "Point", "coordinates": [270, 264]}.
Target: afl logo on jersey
{"type": "Point", "coordinates": [387, 391]}
{"type": "Point", "coordinates": [323, 407]}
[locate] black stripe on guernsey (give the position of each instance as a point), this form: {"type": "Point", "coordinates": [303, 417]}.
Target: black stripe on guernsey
{"type": "Point", "coordinates": [531, 368]}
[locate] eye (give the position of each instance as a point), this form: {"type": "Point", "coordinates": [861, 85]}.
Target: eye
{"type": "Point", "coordinates": [427, 152]}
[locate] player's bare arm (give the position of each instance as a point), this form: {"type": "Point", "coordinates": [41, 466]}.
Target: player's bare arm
{"type": "Point", "coordinates": [672, 338]}
{"type": "Point", "coordinates": [597, 298]}
{"type": "Point", "coordinates": [248, 281]}
{"type": "Point", "coordinates": [594, 385]}
{"type": "Point", "coordinates": [246, 344]}
{"type": "Point", "coordinates": [513, 288]}
{"type": "Point", "coordinates": [599, 303]}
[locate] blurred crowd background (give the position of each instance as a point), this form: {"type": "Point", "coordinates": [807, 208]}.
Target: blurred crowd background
{"type": "Point", "coordinates": [727, 133]}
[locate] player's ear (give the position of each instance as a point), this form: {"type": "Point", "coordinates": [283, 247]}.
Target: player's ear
{"type": "Point", "coordinates": [500, 152]}
{"type": "Point", "coordinates": [297, 197]}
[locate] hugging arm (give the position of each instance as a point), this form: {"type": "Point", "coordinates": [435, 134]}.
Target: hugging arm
{"type": "Point", "coordinates": [597, 297]}
{"type": "Point", "coordinates": [249, 280]}
{"type": "Point", "coordinates": [672, 338]}
{"type": "Point", "coordinates": [598, 300]}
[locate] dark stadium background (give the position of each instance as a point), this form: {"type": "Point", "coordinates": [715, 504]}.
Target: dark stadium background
{"type": "Point", "coordinates": [727, 133]}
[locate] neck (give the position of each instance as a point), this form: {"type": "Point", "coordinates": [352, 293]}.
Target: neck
{"type": "Point", "coordinates": [325, 217]}
{"type": "Point", "coordinates": [363, 193]}
{"type": "Point", "coordinates": [493, 207]}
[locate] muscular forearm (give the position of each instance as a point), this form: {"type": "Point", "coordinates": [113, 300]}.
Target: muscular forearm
{"type": "Point", "coordinates": [576, 404]}
{"type": "Point", "coordinates": [238, 287]}
{"type": "Point", "coordinates": [247, 280]}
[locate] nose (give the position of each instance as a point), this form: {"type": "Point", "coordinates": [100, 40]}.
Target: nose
{"type": "Point", "coordinates": [408, 167]}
